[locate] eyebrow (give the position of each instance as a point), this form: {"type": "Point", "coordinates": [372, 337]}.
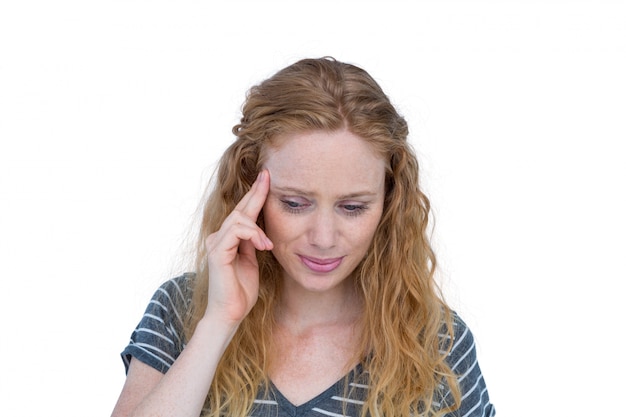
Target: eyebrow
{"type": "Point", "coordinates": [299, 191]}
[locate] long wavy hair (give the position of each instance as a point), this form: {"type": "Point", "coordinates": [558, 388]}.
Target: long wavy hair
{"type": "Point", "coordinates": [402, 346]}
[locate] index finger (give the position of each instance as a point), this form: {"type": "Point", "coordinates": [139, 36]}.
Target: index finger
{"type": "Point", "coordinates": [252, 203]}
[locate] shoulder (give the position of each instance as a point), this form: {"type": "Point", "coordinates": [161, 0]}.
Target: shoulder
{"type": "Point", "coordinates": [459, 346]}
{"type": "Point", "coordinates": [159, 337]}
{"type": "Point", "coordinates": [171, 301]}
{"type": "Point", "coordinates": [463, 361]}
{"type": "Point", "coordinates": [177, 290]}
{"type": "Point", "coordinates": [463, 343]}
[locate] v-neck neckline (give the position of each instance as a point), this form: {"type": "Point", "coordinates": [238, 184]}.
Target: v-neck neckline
{"type": "Point", "coordinates": [336, 389]}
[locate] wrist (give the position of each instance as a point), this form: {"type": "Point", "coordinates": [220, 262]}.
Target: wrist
{"type": "Point", "coordinates": [215, 329]}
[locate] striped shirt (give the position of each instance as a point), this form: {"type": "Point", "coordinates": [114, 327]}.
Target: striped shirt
{"type": "Point", "coordinates": [158, 340]}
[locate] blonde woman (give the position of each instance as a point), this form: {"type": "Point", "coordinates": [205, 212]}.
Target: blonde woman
{"type": "Point", "coordinates": [313, 292]}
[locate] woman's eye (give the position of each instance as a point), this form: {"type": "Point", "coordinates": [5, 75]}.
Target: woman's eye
{"type": "Point", "coordinates": [293, 206]}
{"type": "Point", "coordinates": [354, 209]}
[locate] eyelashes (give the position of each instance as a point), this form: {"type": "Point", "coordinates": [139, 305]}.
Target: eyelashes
{"type": "Point", "coordinates": [292, 206]}
{"type": "Point", "coordinates": [354, 209]}
{"type": "Point", "coordinates": [296, 207]}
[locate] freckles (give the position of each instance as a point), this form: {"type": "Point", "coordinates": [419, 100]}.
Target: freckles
{"type": "Point", "coordinates": [276, 221]}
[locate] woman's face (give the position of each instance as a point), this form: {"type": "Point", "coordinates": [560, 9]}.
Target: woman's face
{"type": "Point", "coordinates": [325, 201]}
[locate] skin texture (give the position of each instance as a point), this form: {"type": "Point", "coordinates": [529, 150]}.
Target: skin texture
{"type": "Point", "coordinates": [322, 196]}
{"type": "Point", "coordinates": [325, 202]}
{"type": "Point", "coordinates": [233, 291]}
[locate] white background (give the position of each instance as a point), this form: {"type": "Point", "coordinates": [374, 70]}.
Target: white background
{"type": "Point", "coordinates": [113, 113]}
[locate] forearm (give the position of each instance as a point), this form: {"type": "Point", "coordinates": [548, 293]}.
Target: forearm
{"type": "Point", "coordinates": [183, 389]}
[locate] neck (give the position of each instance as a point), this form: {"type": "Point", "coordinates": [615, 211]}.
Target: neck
{"type": "Point", "coordinates": [301, 310]}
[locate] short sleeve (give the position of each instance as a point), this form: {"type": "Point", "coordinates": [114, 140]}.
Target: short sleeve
{"type": "Point", "coordinates": [158, 338]}
{"type": "Point", "coordinates": [464, 363]}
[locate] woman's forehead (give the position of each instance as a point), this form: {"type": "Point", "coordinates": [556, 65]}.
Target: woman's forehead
{"type": "Point", "coordinates": [315, 161]}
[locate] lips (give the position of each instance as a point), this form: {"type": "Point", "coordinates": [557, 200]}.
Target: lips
{"type": "Point", "coordinates": [321, 265]}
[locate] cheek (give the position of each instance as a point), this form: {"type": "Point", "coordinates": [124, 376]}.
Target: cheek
{"type": "Point", "coordinates": [365, 239]}
{"type": "Point", "coordinates": [368, 230]}
{"type": "Point", "coordinates": [276, 223]}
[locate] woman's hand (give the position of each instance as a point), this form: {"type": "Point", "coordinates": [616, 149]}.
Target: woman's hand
{"type": "Point", "coordinates": [231, 251]}
{"type": "Point", "coordinates": [233, 290]}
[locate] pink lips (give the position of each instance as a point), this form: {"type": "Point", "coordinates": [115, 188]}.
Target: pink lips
{"type": "Point", "coordinates": [321, 265]}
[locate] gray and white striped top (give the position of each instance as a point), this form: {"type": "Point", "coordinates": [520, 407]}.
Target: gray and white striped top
{"type": "Point", "coordinates": [158, 340]}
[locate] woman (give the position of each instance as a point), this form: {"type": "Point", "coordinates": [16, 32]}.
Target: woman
{"type": "Point", "coordinates": [313, 292]}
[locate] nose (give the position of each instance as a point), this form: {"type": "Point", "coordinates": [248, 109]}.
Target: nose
{"type": "Point", "coordinates": [323, 229]}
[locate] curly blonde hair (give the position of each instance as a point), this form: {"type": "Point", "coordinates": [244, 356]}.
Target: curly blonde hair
{"type": "Point", "coordinates": [404, 313]}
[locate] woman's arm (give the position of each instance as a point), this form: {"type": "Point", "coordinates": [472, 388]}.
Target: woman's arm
{"type": "Point", "coordinates": [140, 380]}
{"type": "Point", "coordinates": [233, 291]}
{"type": "Point", "coordinates": [183, 389]}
